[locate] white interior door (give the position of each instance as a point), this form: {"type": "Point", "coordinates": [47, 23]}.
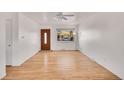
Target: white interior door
{"type": "Point", "coordinates": [8, 42]}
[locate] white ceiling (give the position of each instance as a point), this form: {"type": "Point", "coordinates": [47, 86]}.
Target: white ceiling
{"type": "Point", "coordinates": [50, 17]}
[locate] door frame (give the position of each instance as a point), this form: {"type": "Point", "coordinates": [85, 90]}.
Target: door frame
{"type": "Point", "coordinates": [9, 41]}
{"type": "Point", "coordinates": [47, 38]}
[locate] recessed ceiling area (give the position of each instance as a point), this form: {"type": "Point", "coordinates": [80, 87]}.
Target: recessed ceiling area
{"type": "Point", "coordinates": [53, 17]}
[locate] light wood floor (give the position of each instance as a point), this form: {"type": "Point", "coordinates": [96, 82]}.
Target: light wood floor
{"type": "Point", "coordinates": [59, 65]}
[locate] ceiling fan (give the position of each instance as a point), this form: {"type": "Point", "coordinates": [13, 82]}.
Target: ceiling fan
{"type": "Point", "coordinates": [62, 16]}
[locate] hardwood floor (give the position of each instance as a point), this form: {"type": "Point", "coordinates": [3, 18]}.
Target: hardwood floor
{"type": "Point", "coordinates": [59, 65]}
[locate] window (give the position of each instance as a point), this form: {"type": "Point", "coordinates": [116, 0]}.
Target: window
{"type": "Point", "coordinates": [65, 34]}
{"type": "Point", "coordinates": [45, 38]}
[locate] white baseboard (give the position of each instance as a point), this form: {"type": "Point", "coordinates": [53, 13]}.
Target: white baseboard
{"type": "Point", "coordinates": [102, 65]}
{"type": "Point", "coordinates": [2, 75]}
{"type": "Point", "coordinates": [20, 62]}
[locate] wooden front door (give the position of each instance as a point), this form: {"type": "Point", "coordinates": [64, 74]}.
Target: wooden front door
{"type": "Point", "coordinates": [45, 39]}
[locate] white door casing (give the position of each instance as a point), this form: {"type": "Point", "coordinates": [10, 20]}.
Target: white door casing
{"type": "Point", "coordinates": [8, 41]}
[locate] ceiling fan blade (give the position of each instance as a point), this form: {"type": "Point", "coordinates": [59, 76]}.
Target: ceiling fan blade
{"type": "Point", "coordinates": [61, 16]}
{"type": "Point", "coordinates": [68, 15]}
{"type": "Point", "coordinates": [64, 18]}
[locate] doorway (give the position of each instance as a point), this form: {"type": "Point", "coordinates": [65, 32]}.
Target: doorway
{"type": "Point", "coordinates": [8, 42]}
{"type": "Point", "coordinates": [45, 39]}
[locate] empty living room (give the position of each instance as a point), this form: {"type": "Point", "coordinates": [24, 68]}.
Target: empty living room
{"type": "Point", "coordinates": [61, 46]}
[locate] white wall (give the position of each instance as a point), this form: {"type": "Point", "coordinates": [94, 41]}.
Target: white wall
{"type": "Point", "coordinates": [58, 45]}
{"type": "Point", "coordinates": [25, 39]}
{"type": "Point", "coordinates": [48, 20]}
{"type": "Point", "coordinates": [101, 37]}
{"type": "Point", "coordinates": [28, 42]}
{"type": "Point", "coordinates": [3, 18]}
{"type": "Point", "coordinates": [2, 45]}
